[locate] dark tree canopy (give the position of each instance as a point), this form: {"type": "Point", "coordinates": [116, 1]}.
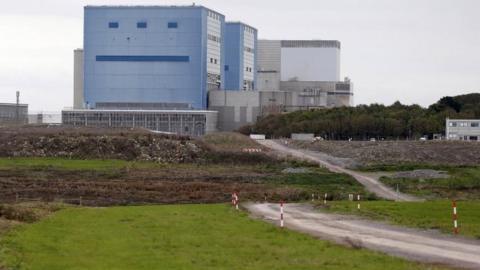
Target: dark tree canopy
{"type": "Point", "coordinates": [396, 121]}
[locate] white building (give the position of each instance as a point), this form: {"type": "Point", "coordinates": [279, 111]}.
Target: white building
{"type": "Point", "coordinates": [463, 129]}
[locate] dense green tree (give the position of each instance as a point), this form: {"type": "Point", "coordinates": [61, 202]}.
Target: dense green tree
{"type": "Point", "coordinates": [397, 121]}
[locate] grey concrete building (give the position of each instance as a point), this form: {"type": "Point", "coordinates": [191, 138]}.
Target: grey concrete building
{"type": "Point", "coordinates": [13, 114]}
{"type": "Point", "coordinates": [187, 122]}
{"type": "Point", "coordinates": [237, 109]}
{"type": "Point", "coordinates": [78, 99]}
{"type": "Point", "coordinates": [462, 129]}
{"type": "Point", "coordinates": [308, 66]}
{"type": "Point", "coordinates": [291, 75]}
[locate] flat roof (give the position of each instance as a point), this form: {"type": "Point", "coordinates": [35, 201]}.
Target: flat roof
{"type": "Point", "coordinates": [448, 119]}
{"type": "Point", "coordinates": [140, 111]}
{"type": "Point", "coordinates": [152, 7]}
{"type": "Point", "coordinates": [13, 104]}
{"type": "Point", "coordinates": [242, 23]}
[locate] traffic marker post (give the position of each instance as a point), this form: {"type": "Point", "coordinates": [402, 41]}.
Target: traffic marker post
{"type": "Point", "coordinates": [313, 197]}
{"type": "Point", "coordinates": [358, 199]}
{"type": "Point", "coordinates": [455, 217]}
{"type": "Point", "coordinates": [281, 214]}
{"type": "Point", "coordinates": [235, 200]}
{"type": "Point", "coordinates": [325, 199]}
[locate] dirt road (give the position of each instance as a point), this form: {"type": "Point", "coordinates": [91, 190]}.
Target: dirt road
{"type": "Point", "coordinates": [430, 247]}
{"type": "Point", "coordinates": [370, 183]}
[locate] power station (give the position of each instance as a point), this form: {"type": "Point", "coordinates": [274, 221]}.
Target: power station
{"type": "Point", "coordinates": [186, 70]}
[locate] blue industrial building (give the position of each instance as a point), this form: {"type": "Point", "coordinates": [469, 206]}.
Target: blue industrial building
{"type": "Point", "coordinates": [240, 56]}
{"type": "Point", "coordinates": [170, 55]}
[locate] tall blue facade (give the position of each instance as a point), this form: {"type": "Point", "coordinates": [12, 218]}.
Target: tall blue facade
{"type": "Point", "coordinates": [152, 54]}
{"type": "Point", "coordinates": [240, 56]}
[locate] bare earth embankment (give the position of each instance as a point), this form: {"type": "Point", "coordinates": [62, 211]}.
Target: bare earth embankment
{"type": "Point", "coordinates": [366, 153]}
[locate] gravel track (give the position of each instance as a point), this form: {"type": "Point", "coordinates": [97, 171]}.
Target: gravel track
{"type": "Point", "coordinates": [371, 184]}
{"type": "Point", "coordinates": [422, 246]}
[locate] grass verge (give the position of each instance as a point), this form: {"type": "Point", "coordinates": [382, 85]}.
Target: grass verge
{"type": "Point", "coordinates": [176, 237]}
{"type": "Point", "coordinates": [436, 215]}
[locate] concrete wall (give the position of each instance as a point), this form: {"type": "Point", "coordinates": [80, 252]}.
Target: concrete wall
{"type": "Point", "coordinates": [78, 101]}
{"type": "Point", "coordinates": [269, 65]}
{"type": "Point", "coordinates": [164, 62]}
{"type": "Point", "coordinates": [310, 64]}
{"type": "Point", "coordinates": [235, 108]}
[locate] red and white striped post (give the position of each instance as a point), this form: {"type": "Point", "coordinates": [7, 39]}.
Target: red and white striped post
{"type": "Point", "coordinates": [358, 199]}
{"type": "Point", "coordinates": [236, 201]}
{"type": "Point", "coordinates": [281, 214]}
{"type": "Point", "coordinates": [455, 221]}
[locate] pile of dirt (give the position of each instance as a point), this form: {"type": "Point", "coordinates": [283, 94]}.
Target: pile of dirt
{"type": "Point", "coordinates": [422, 174]}
{"type": "Point", "coordinates": [126, 144]}
{"type": "Point", "coordinates": [98, 144]}
{"type": "Point", "coordinates": [392, 152]}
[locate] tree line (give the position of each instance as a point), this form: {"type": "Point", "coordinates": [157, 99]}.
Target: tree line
{"type": "Point", "coordinates": [363, 122]}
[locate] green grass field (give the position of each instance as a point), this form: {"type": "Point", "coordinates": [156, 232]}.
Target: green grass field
{"type": "Point", "coordinates": [72, 164]}
{"type": "Point", "coordinates": [426, 215]}
{"type": "Point", "coordinates": [463, 183]}
{"type": "Point", "coordinates": [175, 237]}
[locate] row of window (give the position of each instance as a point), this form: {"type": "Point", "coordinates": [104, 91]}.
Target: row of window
{"type": "Point", "coordinates": [214, 38]}
{"type": "Point", "coordinates": [213, 60]}
{"type": "Point", "coordinates": [141, 25]}
{"type": "Point", "coordinates": [249, 30]}
{"type": "Point", "coordinates": [249, 69]}
{"type": "Point", "coordinates": [464, 124]}
{"type": "Point", "coordinates": [213, 15]}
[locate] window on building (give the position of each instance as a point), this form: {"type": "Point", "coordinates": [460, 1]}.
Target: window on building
{"type": "Point", "coordinates": [141, 25]}
{"type": "Point", "coordinates": [452, 124]}
{"type": "Point", "coordinates": [216, 61]}
{"type": "Point", "coordinates": [172, 25]}
{"type": "Point", "coordinates": [475, 124]}
{"type": "Point", "coordinates": [113, 25]}
{"type": "Point", "coordinates": [211, 60]}
{"type": "Point", "coordinates": [227, 67]}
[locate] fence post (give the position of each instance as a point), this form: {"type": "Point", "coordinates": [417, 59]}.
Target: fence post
{"type": "Point", "coordinates": [455, 222]}
{"type": "Point", "coordinates": [313, 197]}
{"type": "Point", "coordinates": [80, 201]}
{"type": "Point", "coordinates": [281, 214]}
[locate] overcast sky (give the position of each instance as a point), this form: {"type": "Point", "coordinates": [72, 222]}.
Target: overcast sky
{"type": "Point", "coordinates": [414, 51]}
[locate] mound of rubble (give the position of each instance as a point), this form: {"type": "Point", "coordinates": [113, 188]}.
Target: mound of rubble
{"type": "Point", "coordinates": [97, 144]}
